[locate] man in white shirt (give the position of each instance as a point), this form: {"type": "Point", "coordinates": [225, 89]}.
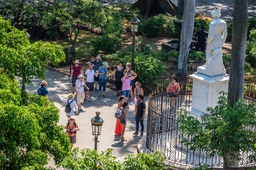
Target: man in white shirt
{"type": "Point", "coordinates": [90, 73]}
{"type": "Point", "coordinates": [80, 85]}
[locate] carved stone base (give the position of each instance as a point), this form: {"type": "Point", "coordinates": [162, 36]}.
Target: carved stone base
{"type": "Point", "coordinates": [211, 72]}
{"type": "Point", "coordinates": [206, 91]}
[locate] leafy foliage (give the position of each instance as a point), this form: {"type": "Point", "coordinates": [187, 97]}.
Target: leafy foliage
{"type": "Point", "coordinates": [251, 24]}
{"type": "Point", "coordinates": [103, 43]}
{"type": "Point", "coordinates": [20, 58]}
{"type": "Point", "coordinates": [196, 55]}
{"type": "Point", "coordinates": [148, 67]}
{"type": "Point", "coordinates": [90, 159]}
{"type": "Point", "coordinates": [147, 64]}
{"type": "Point", "coordinates": [144, 161]}
{"type": "Point", "coordinates": [29, 133]}
{"type": "Point", "coordinates": [201, 22]}
{"type": "Point", "coordinates": [225, 131]}
{"type": "Point", "coordinates": [251, 50]}
{"type": "Point", "coordinates": [158, 26]}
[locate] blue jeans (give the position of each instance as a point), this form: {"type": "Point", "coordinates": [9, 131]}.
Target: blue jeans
{"type": "Point", "coordinates": [126, 93]}
{"type": "Point", "coordinates": [102, 83]}
{"type": "Point", "coordinates": [139, 120]}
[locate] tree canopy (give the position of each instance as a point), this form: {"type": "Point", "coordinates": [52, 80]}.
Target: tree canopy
{"type": "Point", "coordinates": [227, 131]}
{"type": "Point", "coordinates": [29, 132]}
{"type": "Point", "coordinates": [18, 57]}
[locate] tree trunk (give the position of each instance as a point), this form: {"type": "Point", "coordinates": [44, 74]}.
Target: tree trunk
{"type": "Point", "coordinates": [186, 36]}
{"type": "Point", "coordinates": [180, 7]}
{"type": "Point", "coordinates": [151, 8]}
{"type": "Point", "coordinates": [239, 34]}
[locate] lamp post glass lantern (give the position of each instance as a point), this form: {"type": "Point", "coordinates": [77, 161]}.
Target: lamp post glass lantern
{"type": "Point", "coordinates": [134, 28]}
{"type": "Point", "coordinates": [96, 123]}
{"type": "Point", "coordinates": [135, 24]}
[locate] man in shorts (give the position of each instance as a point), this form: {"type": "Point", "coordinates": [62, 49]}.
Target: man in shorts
{"type": "Point", "coordinates": [90, 75]}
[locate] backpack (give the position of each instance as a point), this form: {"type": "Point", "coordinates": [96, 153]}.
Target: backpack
{"type": "Point", "coordinates": [40, 91]}
{"type": "Point", "coordinates": [119, 113]}
{"type": "Point", "coordinates": [67, 107]}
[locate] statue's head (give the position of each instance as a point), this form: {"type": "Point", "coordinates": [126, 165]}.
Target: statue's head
{"type": "Point", "coordinates": [216, 13]}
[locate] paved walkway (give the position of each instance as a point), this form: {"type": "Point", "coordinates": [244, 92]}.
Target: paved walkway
{"type": "Point", "coordinates": [226, 6]}
{"type": "Point", "coordinates": [60, 84]}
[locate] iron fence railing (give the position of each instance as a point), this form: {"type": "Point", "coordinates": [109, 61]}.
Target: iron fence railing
{"type": "Point", "coordinates": [163, 133]}
{"type": "Point", "coordinates": [186, 83]}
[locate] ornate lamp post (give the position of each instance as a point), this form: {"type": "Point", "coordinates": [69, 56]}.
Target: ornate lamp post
{"type": "Point", "coordinates": [134, 28]}
{"type": "Point", "coordinates": [97, 123]}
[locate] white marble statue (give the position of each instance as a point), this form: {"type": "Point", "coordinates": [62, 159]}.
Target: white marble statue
{"type": "Point", "coordinates": [216, 38]}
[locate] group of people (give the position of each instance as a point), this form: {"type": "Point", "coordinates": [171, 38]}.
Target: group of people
{"type": "Point", "coordinates": [95, 79]}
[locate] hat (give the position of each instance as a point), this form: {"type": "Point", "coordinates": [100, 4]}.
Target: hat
{"type": "Point", "coordinates": [105, 64]}
{"type": "Point", "coordinates": [72, 117]}
{"type": "Point", "coordinates": [76, 62]}
{"type": "Point", "coordinates": [141, 97]}
{"type": "Point", "coordinates": [43, 82]}
{"type": "Point", "coordinates": [71, 96]}
{"type": "Point", "coordinates": [98, 57]}
{"type": "Point", "coordinates": [80, 75]}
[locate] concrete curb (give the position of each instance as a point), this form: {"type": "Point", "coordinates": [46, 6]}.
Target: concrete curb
{"type": "Point", "coordinates": [142, 147]}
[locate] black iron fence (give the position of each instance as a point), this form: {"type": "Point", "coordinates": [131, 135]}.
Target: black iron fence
{"type": "Point", "coordinates": [163, 133]}
{"type": "Point", "coordinates": [186, 83]}
{"type": "Point", "coordinates": [160, 85]}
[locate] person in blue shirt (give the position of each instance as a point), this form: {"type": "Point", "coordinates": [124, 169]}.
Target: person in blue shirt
{"type": "Point", "coordinates": [103, 78]}
{"type": "Point", "coordinates": [42, 91]}
{"type": "Point", "coordinates": [96, 65]}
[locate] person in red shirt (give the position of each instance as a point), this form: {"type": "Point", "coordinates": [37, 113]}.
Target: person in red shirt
{"type": "Point", "coordinates": [76, 70]}
{"type": "Point", "coordinates": [172, 90]}
{"type": "Point", "coordinates": [71, 129]}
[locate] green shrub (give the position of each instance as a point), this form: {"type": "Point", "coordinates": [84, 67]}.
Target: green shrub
{"type": "Point", "coordinates": [158, 26]}
{"type": "Point", "coordinates": [148, 67]}
{"type": "Point", "coordinates": [167, 56]}
{"type": "Point", "coordinates": [229, 28]}
{"type": "Point", "coordinates": [91, 159]}
{"type": "Point", "coordinates": [144, 161]}
{"type": "Point", "coordinates": [251, 24]}
{"type": "Point", "coordinates": [196, 55]}
{"type": "Point", "coordinates": [199, 22]}
{"type": "Point", "coordinates": [226, 60]}
{"type": "Point", "coordinates": [103, 43]}
{"type": "Point", "coordinates": [251, 49]}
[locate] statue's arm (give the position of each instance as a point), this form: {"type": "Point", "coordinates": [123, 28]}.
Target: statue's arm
{"type": "Point", "coordinates": [211, 34]}
{"type": "Point", "coordinates": [225, 33]}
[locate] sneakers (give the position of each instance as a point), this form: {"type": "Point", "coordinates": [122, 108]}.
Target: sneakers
{"type": "Point", "coordinates": [141, 134]}
{"type": "Point", "coordinates": [103, 96]}
{"type": "Point", "coordinates": [95, 89]}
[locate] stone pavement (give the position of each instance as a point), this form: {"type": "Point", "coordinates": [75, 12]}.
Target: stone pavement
{"type": "Point", "coordinates": [226, 6]}
{"type": "Point", "coordinates": [59, 83]}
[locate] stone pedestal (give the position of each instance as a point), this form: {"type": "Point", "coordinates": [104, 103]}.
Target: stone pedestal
{"type": "Point", "coordinates": [206, 87]}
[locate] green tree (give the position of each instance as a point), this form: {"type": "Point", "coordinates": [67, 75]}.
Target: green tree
{"type": "Point", "coordinates": [29, 132]}
{"type": "Point", "coordinates": [18, 57]}
{"type": "Point", "coordinates": [226, 131]}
